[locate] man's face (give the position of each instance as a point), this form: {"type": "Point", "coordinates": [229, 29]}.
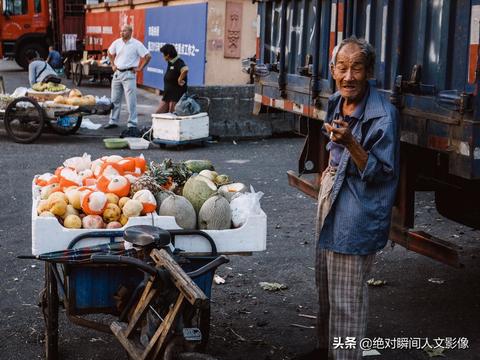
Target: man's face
{"type": "Point", "coordinates": [126, 33]}
{"type": "Point", "coordinates": [350, 73]}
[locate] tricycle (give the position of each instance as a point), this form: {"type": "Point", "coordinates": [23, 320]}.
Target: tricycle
{"type": "Point", "coordinates": [25, 118]}
{"type": "Point", "coordinates": [159, 296]}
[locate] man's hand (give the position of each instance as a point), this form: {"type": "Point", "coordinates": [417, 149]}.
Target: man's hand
{"type": "Point", "coordinates": [114, 68]}
{"type": "Point", "coordinates": [181, 82]}
{"type": "Point", "coordinates": [341, 134]}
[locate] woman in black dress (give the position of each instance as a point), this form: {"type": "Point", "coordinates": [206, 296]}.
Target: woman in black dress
{"type": "Point", "coordinates": [175, 79]}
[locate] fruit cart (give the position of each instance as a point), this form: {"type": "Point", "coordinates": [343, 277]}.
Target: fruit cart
{"type": "Point", "coordinates": [158, 297]}
{"type": "Point", "coordinates": [90, 70]}
{"type": "Point", "coordinates": [26, 117]}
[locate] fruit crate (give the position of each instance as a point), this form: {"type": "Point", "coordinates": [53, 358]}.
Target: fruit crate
{"type": "Point", "coordinates": [49, 235]}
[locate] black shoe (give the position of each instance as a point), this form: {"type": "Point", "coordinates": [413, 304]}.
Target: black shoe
{"type": "Point", "coordinates": [110, 126]}
{"type": "Point", "coordinates": [315, 354]}
{"type": "Point", "coordinates": [131, 132]}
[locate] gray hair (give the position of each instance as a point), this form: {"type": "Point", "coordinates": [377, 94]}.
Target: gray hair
{"type": "Point", "coordinates": [366, 49]}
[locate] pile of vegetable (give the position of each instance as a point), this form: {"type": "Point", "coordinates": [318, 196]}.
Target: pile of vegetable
{"type": "Point", "coordinates": [50, 86]}
{"type": "Point", "coordinates": [106, 192]}
{"type": "Point", "coordinates": [75, 98]}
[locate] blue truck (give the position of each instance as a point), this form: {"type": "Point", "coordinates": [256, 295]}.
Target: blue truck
{"type": "Point", "coordinates": [427, 65]}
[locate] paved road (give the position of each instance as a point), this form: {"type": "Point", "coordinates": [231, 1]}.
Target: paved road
{"type": "Point", "coordinates": [247, 322]}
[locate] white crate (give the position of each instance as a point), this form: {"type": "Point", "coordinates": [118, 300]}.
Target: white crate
{"type": "Point", "coordinates": [171, 127]}
{"type": "Point", "coordinates": [48, 235]}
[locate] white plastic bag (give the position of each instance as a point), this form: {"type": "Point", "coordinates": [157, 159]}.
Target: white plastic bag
{"type": "Point", "coordinates": [244, 205]}
{"type": "Point", "coordinates": [79, 163]}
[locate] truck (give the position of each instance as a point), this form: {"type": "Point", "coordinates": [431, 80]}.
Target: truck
{"type": "Point", "coordinates": [427, 65]}
{"type": "Point", "coordinates": [37, 24]}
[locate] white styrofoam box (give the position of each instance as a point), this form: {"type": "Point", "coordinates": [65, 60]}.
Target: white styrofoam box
{"type": "Point", "coordinates": [49, 235]}
{"type": "Point", "coordinates": [137, 143]}
{"type": "Point", "coordinates": [169, 126]}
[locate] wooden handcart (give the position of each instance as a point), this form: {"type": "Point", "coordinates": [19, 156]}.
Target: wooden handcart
{"type": "Point", "coordinates": [158, 298]}
{"type": "Point", "coordinates": [25, 118]}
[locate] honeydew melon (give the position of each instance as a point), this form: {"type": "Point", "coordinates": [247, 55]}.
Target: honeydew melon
{"type": "Point", "coordinates": [197, 190]}
{"type": "Point", "coordinates": [180, 208]}
{"type": "Point", "coordinates": [215, 214]}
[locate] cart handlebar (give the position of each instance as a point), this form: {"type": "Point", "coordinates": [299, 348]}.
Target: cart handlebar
{"type": "Point", "coordinates": [151, 270]}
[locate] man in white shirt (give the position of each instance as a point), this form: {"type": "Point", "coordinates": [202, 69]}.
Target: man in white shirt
{"type": "Point", "coordinates": [127, 56]}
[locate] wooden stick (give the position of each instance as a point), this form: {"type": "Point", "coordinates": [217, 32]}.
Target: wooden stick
{"type": "Point", "coordinates": [182, 281]}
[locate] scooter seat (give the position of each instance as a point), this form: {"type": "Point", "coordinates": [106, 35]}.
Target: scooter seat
{"type": "Point", "coordinates": [144, 235]}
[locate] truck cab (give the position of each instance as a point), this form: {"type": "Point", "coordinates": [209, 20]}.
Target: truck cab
{"type": "Point", "coordinates": [23, 25]}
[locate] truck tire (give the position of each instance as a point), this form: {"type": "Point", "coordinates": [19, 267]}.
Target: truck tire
{"type": "Point", "coordinates": [22, 49]}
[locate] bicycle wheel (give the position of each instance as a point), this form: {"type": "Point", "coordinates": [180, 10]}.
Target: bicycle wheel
{"type": "Point", "coordinates": [65, 125]}
{"type": "Point", "coordinates": [24, 120]}
{"type": "Point", "coordinates": [77, 74]}
{"type": "Point", "coordinates": [50, 313]}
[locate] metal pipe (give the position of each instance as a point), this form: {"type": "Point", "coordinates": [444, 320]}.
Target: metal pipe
{"type": "Point", "coordinates": [400, 10]}
{"type": "Point", "coordinates": [282, 76]}
{"type": "Point", "coordinates": [316, 51]}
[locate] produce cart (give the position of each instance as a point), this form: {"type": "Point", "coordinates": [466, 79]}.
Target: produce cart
{"type": "Point", "coordinates": [150, 280]}
{"type": "Point", "coordinates": [25, 117]}
{"type": "Point", "coordinates": [89, 70]}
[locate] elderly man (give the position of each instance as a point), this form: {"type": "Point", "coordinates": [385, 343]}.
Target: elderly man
{"type": "Point", "coordinates": [127, 56]}
{"type": "Point", "coordinates": [355, 201]}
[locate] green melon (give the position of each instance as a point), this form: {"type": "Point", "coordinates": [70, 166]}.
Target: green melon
{"type": "Point", "coordinates": [215, 214]}
{"type": "Point", "coordinates": [181, 209]}
{"type": "Point", "coordinates": [195, 166]}
{"type": "Point", "coordinates": [197, 190]}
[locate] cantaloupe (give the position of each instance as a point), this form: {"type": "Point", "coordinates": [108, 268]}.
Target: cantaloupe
{"type": "Point", "coordinates": [215, 214]}
{"type": "Point", "coordinates": [209, 174]}
{"type": "Point", "coordinates": [229, 191]}
{"type": "Point", "coordinates": [180, 208]}
{"type": "Point", "coordinates": [197, 190]}
{"type": "Point", "coordinates": [160, 197]}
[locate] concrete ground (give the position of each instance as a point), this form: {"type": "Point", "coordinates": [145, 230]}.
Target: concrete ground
{"type": "Point", "coordinates": [421, 299]}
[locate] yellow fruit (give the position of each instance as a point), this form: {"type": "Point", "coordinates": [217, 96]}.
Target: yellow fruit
{"type": "Point", "coordinates": [123, 201]}
{"type": "Point", "coordinates": [74, 196]}
{"type": "Point", "coordinates": [112, 198]}
{"type": "Point", "coordinates": [123, 220]}
{"type": "Point", "coordinates": [72, 222]}
{"type": "Point", "coordinates": [57, 195]}
{"type": "Point", "coordinates": [47, 190]}
{"type": "Point", "coordinates": [42, 206]}
{"type": "Point", "coordinates": [132, 208]}
{"type": "Point", "coordinates": [58, 207]}
{"type": "Point", "coordinates": [111, 213]}
{"type": "Point", "coordinates": [70, 211]}
{"type": "Point", "coordinates": [75, 93]}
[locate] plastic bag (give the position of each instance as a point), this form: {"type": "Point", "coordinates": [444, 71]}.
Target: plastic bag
{"type": "Point", "coordinates": [79, 163]}
{"type": "Point", "coordinates": [244, 205]}
{"type": "Point", "coordinates": [187, 106]}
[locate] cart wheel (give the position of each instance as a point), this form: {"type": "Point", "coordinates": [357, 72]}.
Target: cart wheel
{"type": "Point", "coordinates": [77, 75]}
{"type": "Point", "coordinates": [24, 120]}
{"type": "Point", "coordinates": [50, 313]}
{"type": "Point", "coordinates": [65, 126]}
